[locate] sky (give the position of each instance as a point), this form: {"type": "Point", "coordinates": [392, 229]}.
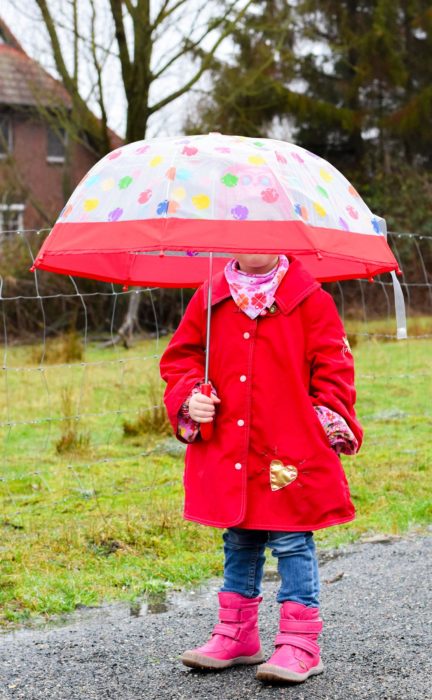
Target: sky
{"type": "Point", "coordinates": [24, 21]}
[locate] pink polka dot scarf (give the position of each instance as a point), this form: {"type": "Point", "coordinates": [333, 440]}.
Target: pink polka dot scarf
{"type": "Point", "coordinates": [254, 293]}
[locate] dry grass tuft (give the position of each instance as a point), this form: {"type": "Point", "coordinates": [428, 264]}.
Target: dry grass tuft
{"type": "Point", "coordinates": [152, 418]}
{"type": "Point", "coordinates": [62, 350]}
{"type": "Point", "coordinates": [71, 440]}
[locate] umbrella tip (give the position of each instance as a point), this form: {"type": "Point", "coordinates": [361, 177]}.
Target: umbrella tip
{"type": "Point", "coordinates": [33, 268]}
{"type": "Point", "coordinates": [371, 280]}
{"type": "Point", "coordinates": [125, 288]}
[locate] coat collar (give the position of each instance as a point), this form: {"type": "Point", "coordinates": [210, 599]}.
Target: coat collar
{"type": "Point", "coordinates": [296, 285]}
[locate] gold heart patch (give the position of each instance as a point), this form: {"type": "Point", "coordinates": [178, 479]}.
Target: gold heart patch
{"type": "Point", "coordinates": [281, 474]}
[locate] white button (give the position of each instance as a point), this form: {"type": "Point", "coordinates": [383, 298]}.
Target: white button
{"type": "Point", "coordinates": [246, 335]}
{"type": "Point", "coordinates": [243, 378]}
{"type": "Point", "coordinates": [238, 466]}
{"type": "Point", "coordinates": [240, 422]}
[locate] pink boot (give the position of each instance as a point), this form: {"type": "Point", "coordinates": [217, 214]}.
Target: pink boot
{"type": "Point", "coordinates": [235, 640]}
{"type": "Point", "coordinates": [297, 654]}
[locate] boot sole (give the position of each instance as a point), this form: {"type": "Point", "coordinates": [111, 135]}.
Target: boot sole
{"type": "Point", "coordinates": [270, 673]}
{"type": "Point", "coordinates": [194, 660]}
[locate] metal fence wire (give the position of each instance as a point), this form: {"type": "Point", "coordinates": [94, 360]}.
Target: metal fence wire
{"type": "Point", "coordinates": [75, 394]}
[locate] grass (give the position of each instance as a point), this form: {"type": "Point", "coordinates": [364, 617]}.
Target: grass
{"type": "Point", "coordinates": [101, 520]}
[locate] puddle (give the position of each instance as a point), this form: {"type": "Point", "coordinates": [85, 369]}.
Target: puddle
{"type": "Point", "coordinates": [153, 603]}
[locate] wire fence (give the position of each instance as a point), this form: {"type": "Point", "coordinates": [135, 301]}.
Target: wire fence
{"type": "Point", "coordinates": [78, 404]}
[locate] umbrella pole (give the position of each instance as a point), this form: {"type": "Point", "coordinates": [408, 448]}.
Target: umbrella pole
{"type": "Point", "coordinates": [209, 298]}
{"type": "Point", "coordinates": [206, 429]}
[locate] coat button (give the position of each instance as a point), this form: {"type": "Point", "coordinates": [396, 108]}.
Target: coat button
{"type": "Point", "coordinates": [272, 308]}
{"type": "Point", "coordinates": [240, 422]}
{"type": "Point", "coordinates": [238, 466]}
{"type": "Point", "coordinates": [246, 335]}
{"type": "Point", "coordinates": [243, 378]}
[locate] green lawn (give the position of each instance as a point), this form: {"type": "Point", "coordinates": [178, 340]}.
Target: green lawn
{"type": "Point", "coordinates": [101, 520]}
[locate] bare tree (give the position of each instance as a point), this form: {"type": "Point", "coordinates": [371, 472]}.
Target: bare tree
{"type": "Point", "coordinates": [149, 41]}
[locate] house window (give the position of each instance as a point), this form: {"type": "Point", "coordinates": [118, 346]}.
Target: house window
{"type": "Point", "coordinates": [56, 145]}
{"type": "Point", "coordinates": [5, 135]}
{"type": "Point", "coordinates": [11, 218]}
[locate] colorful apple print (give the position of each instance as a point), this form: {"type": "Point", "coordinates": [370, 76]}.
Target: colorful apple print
{"type": "Point", "coordinates": [280, 158]}
{"type": "Point", "coordinates": [183, 174]}
{"type": "Point", "coordinates": [157, 160]}
{"type": "Point", "coordinates": [162, 207]}
{"type": "Point", "coordinates": [326, 176]}
{"type": "Point", "coordinates": [170, 173]}
{"type": "Point", "coordinates": [173, 206]}
{"type": "Point", "coordinates": [189, 151]}
{"type": "Point", "coordinates": [353, 192]}
{"type": "Point", "coordinates": [125, 182]}
{"type": "Point", "coordinates": [301, 211]}
{"type": "Point", "coordinates": [223, 149]}
{"type": "Point", "coordinates": [229, 180]}
{"type": "Point", "coordinates": [92, 180]}
{"type": "Point", "coordinates": [352, 211]}
{"type": "Point", "coordinates": [201, 201]}
{"type": "Point", "coordinates": [115, 214]}
{"type": "Point", "coordinates": [297, 157]}
{"type": "Point", "coordinates": [256, 160]}
{"type": "Point", "coordinates": [269, 195]}
{"type": "Point", "coordinates": [108, 184]}
{"type": "Point", "coordinates": [376, 225]}
{"type": "Point", "coordinates": [145, 196]}
{"type": "Point", "coordinates": [142, 149]}
{"type": "Point", "coordinates": [91, 204]}
{"type": "Point", "coordinates": [319, 209]}
{"type": "Point", "coordinates": [343, 224]}
{"type": "Point", "coordinates": [322, 191]}
{"type": "Point", "coordinates": [114, 154]}
{"type": "Point", "coordinates": [179, 194]}
{"type": "Point", "coordinates": [240, 212]}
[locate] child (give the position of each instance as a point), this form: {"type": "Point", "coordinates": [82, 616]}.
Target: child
{"type": "Point", "coordinates": [283, 409]}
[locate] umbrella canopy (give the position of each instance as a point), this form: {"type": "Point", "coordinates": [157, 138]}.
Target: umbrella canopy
{"type": "Point", "coordinates": [150, 212]}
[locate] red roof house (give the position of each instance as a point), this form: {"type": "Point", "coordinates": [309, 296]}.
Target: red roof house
{"type": "Point", "coordinates": [40, 160]}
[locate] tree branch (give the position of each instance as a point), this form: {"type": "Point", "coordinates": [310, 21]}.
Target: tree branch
{"type": "Point", "coordinates": [164, 12]}
{"type": "Point", "coordinates": [116, 10]}
{"type": "Point", "coordinates": [204, 66]}
{"type": "Point", "coordinates": [69, 82]}
{"type": "Point", "coordinates": [190, 47]}
{"type": "Point", "coordinates": [97, 65]}
{"type": "Point", "coordinates": [75, 41]}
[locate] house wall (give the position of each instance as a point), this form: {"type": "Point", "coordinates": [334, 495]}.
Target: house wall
{"type": "Point", "coordinates": [30, 171]}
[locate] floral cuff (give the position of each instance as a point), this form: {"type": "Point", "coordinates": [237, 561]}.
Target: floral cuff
{"type": "Point", "coordinates": [187, 428]}
{"type": "Point", "coordinates": [340, 435]}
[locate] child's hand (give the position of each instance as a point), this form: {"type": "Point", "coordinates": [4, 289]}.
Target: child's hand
{"type": "Point", "coordinates": [202, 408]}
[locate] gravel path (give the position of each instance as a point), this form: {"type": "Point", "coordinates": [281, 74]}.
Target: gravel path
{"type": "Point", "coordinates": [376, 644]}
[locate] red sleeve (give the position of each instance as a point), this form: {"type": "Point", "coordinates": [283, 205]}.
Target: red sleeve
{"type": "Point", "coordinates": [182, 363]}
{"type": "Point", "coordinates": [330, 358]}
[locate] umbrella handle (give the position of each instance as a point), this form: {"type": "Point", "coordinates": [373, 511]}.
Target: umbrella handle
{"type": "Point", "coordinates": [206, 429]}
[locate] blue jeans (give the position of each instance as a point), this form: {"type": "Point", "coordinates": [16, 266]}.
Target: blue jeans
{"type": "Point", "coordinates": [297, 564]}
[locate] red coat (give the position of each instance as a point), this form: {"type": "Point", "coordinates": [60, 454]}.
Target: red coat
{"type": "Point", "coordinates": [269, 373]}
